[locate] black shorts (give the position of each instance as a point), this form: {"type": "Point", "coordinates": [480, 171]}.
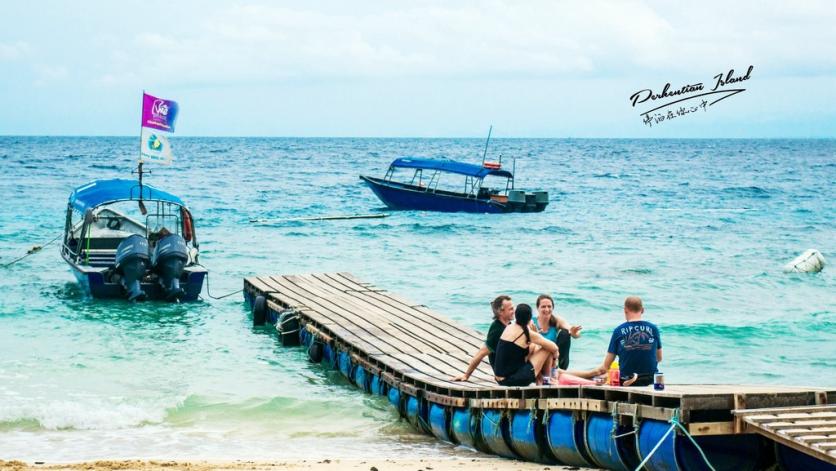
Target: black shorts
{"type": "Point", "coordinates": [522, 377]}
{"type": "Point", "coordinates": [642, 380]}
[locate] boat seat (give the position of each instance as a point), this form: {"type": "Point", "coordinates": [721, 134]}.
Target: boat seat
{"type": "Point", "coordinates": [99, 257]}
{"type": "Point", "coordinates": [516, 196]}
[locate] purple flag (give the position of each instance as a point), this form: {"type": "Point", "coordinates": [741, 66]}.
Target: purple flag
{"type": "Point", "coordinates": [158, 113]}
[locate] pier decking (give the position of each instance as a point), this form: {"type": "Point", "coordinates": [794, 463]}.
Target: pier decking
{"type": "Point", "coordinates": [388, 345]}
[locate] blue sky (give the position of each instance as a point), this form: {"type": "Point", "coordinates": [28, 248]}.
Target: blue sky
{"type": "Point", "coordinates": [418, 68]}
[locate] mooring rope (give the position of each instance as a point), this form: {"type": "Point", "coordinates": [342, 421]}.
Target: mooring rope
{"type": "Point", "coordinates": [482, 413]}
{"type": "Point", "coordinates": [207, 286]}
{"type": "Point", "coordinates": [35, 249]}
{"type": "Point", "coordinates": [675, 423]}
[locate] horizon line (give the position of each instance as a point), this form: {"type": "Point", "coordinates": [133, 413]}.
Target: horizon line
{"type": "Point", "coordinates": [423, 137]}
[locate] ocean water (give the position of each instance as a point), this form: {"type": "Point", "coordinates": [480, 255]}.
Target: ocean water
{"type": "Point", "coordinates": [699, 228]}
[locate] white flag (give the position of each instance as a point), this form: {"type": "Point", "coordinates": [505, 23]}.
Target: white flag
{"type": "Point", "coordinates": [155, 147]}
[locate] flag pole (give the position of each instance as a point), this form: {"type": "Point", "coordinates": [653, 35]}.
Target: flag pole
{"type": "Point", "coordinates": [139, 166]}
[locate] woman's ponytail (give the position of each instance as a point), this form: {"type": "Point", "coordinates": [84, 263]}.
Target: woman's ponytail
{"type": "Point", "coordinates": [523, 318]}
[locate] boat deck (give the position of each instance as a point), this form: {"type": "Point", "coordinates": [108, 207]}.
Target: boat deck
{"type": "Point", "coordinates": [418, 351]}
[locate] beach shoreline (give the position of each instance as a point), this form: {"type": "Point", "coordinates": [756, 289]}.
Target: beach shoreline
{"type": "Point", "coordinates": [453, 464]}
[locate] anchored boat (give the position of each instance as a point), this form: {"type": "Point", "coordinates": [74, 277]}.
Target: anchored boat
{"type": "Point", "coordinates": [436, 185]}
{"type": "Point", "coordinates": [125, 239]}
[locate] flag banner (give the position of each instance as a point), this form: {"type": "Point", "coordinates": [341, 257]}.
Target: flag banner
{"type": "Point", "coordinates": [158, 113]}
{"type": "Point", "coordinates": [154, 147]}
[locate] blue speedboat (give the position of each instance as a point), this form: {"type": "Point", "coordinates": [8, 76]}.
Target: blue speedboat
{"type": "Point", "coordinates": [124, 239]}
{"type": "Point", "coordinates": [446, 185]}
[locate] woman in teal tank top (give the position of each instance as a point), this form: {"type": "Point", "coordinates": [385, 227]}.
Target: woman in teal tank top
{"type": "Point", "coordinates": [556, 328]}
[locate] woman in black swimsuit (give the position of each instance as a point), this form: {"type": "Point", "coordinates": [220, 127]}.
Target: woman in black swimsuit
{"type": "Point", "coordinates": [516, 363]}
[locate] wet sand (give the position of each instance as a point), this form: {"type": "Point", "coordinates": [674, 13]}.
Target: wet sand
{"type": "Point", "coordinates": [470, 464]}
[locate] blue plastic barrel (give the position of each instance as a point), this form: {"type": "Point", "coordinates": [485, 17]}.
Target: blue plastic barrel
{"type": "Point", "coordinates": [361, 378]}
{"type": "Point", "coordinates": [439, 422]}
{"type": "Point", "coordinates": [411, 411]}
{"type": "Point", "coordinates": [418, 413]}
{"type": "Point", "coordinates": [724, 452]}
{"type": "Point", "coordinates": [395, 399]}
{"type": "Point", "coordinates": [494, 430]}
{"type": "Point", "coordinates": [345, 365]}
{"type": "Point", "coordinates": [790, 459]}
{"type": "Point", "coordinates": [328, 355]}
{"type": "Point", "coordinates": [464, 427]}
{"type": "Point", "coordinates": [527, 438]}
{"type": "Point", "coordinates": [565, 437]}
{"type": "Point", "coordinates": [603, 448]}
{"type": "Point", "coordinates": [377, 386]}
{"type": "Point", "coordinates": [650, 433]}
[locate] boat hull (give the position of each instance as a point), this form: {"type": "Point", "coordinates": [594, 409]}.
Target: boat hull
{"type": "Point", "coordinates": [95, 285]}
{"type": "Point", "coordinates": [407, 197]}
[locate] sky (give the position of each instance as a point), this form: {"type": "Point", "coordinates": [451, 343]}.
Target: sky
{"type": "Point", "coordinates": [539, 68]}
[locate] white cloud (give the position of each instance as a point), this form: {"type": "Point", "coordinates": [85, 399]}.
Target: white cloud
{"type": "Point", "coordinates": [45, 74]}
{"type": "Point", "coordinates": [542, 38]}
{"type": "Point", "coordinates": [12, 51]}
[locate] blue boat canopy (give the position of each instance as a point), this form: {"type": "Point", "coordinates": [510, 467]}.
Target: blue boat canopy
{"type": "Point", "coordinates": [100, 192]}
{"type": "Point", "coordinates": [451, 166]}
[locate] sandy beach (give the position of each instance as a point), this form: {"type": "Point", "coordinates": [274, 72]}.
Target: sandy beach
{"type": "Point", "coordinates": [482, 464]}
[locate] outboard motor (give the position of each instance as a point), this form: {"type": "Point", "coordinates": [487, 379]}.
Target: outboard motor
{"type": "Point", "coordinates": [132, 263]}
{"type": "Point", "coordinates": [170, 256]}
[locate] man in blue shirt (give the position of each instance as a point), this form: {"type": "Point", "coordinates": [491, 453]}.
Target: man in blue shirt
{"type": "Point", "coordinates": [637, 345]}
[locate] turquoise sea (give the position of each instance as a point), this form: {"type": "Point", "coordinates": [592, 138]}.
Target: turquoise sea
{"type": "Point", "coordinates": [699, 228]}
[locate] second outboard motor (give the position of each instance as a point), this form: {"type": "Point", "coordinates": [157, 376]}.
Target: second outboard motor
{"type": "Point", "coordinates": [170, 256]}
{"type": "Point", "coordinates": [132, 262]}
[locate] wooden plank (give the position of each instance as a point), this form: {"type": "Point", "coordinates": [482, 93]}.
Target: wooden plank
{"type": "Point", "coordinates": [711, 428]}
{"type": "Point", "coordinates": [582, 404]}
{"type": "Point", "coordinates": [441, 320]}
{"type": "Point", "coordinates": [446, 400]}
{"type": "Point", "coordinates": [357, 325]}
{"type": "Point", "coordinates": [356, 338]}
{"type": "Point", "coordinates": [795, 424]}
{"type": "Point", "coordinates": [805, 431]}
{"type": "Point", "coordinates": [789, 410]}
{"type": "Point", "coordinates": [381, 299]}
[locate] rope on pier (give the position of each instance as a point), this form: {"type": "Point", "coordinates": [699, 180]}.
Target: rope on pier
{"type": "Point", "coordinates": [674, 423]}
{"type": "Point", "coordinates": [614, 414]}
{"type": "Point", "coordinates": [293, 316]}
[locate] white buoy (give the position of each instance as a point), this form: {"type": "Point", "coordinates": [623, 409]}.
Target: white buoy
{"type": "Point", "coordinates": [811, 261]}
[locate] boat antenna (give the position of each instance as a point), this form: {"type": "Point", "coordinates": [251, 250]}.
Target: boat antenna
{"type": "Point", "coordinates": [513, 170]}
{"type": "Point", "coordinates": [485, 154]}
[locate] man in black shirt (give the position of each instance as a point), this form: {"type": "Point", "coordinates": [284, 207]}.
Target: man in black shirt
{"type": "Point", "coordinates": [503, 314]}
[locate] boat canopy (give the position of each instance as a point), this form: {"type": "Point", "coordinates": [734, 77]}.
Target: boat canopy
{"type": "Point", "coordinates": [451, 166]}
{"type": "Point", "coordinates": [100, 192]}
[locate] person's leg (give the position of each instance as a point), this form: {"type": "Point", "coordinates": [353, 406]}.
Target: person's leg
{"type": "Point", "coordinates": [538, 359]}
{"type": "Point", "coordinates": [587, 374]}
{"type": "Point", "coordinates": [547, 368]}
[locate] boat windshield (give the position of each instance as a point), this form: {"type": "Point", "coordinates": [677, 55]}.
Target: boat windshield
{"type": "Point", "coordinates": [496, 184]}
{"type": "Point", "coordinates": [121, 219]}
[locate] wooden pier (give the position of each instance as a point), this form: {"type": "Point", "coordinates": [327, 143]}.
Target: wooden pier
{"type": "Point", "coordinates": [387, 344]}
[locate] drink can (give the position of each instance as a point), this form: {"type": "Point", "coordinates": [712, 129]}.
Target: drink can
{"type": "Point", "coordinates": [658, 381]}
{"type": "Point", "coordinates": [547, 381]}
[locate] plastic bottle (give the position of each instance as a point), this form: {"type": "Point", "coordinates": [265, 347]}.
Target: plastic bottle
{"type": "Point", "coordinates": [614, 375]}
